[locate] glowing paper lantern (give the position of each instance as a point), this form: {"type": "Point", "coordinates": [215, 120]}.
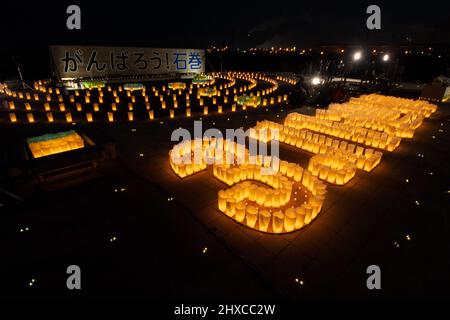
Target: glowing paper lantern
{"type": "Point", "coordinates": [277, 222]}
{"type": "Point", "coordinates": [49, 117]}
{"type": "Point", "coordinates": [289, 220]}
{"type": "Point", "coordinates": [30, 117]}
{"type": "Point", "coordinates": [12, 117]}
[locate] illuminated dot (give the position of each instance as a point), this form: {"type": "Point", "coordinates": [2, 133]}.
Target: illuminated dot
{"type": "Point", "coordinates": [141, 154]}
{"type": "Point", "coordinates": [408, 237]}
{"type": "Point", "coordinates": [133, 130]}
{"type": "Point", "coordinates": [31, 283]}
{"type": "Point", "coordinates": [112, 239]}
{"type": "Point", "coordinates": [170, 199]}
{"type": "Point", "coordinates": [396, 244]}
{"type": "Point", "coordinates": [205, 249]}
{"type": "Point", "coordinates": [407, 180]}
{"type": "Point", "coordinates": [417, 202]}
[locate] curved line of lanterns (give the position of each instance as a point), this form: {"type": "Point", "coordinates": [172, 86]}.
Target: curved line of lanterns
{"type": "Point", "coordinates": [101, 102]}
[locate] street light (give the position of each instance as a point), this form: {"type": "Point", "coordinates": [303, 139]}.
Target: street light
{"type": "Point", "coordinates": [357, 56]}
{"type": "Point", "coordinates": [316, 81]}
{"type": "Point", "coordinates": [386, 57]}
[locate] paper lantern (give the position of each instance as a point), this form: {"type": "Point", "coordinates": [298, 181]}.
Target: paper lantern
{"type": "Point", "coordinates": [79, 108]}
{"type": "Point", "coordinates": [96, 108]}
{"type": "Point", "coordinates": [12, 117]}
{"type": "Point", "coordinates": [62, 107]}
{"type": "Point", "coordinates": [68, 117]}
{"type": "Point", "coordinates": [277, 222]}
{"type": "Point", "coordinates": [130, 116]}
{"type": "Point", "coordinates": [130, 106]}
{"type": "Point", "coordinates": [300, 217]}
{"type": "Point", "coordinates": [222, 200]}
{"type": "Point", "coordinates": [251, 216]}
{"type": "Point", "coordinates": [231, 207]}
{"type": "Point", "coordinates": [240, 212]}
{"type": "Point", "coordinates": [110, 116]}
{"type": "Point", "coordinates": [205, 110]}
{"type": "Point", "coordinates": [49, 117]}
{"type": "Point", "coordinates": [151, 115]}
{"type": "Point", "coordinates": [263, 220]}
{"type": "Point", "coordinates": [89, 117]}
{"type": "Point", "coordinates": [172, 113]}
{"type": "Point", "coordinates": [188, 112]}
{"type": "Point", "coordinates": [289, 220]}
{"type": "Point", "coordinates": [30, 117]}
{"type": "Point", "coordinates": [113, 107]}
{"type": "Point", "coordinates": [46, 106]}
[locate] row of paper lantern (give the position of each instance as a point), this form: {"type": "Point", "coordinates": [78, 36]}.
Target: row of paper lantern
{"type": "Point", "coordinates": [381, 140]}
{"type": "Point", "coordinates": [334, 169]}
{"type": "Point", "coordinates": [380, 119]}
{"type": "Point", "coordinates": [404, 105]}
{"type": "Point", "coordinates": [364, 158]}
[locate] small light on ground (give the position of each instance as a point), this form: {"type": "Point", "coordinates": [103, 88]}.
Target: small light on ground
{"type": "Point", "coordinates": [31, 283]}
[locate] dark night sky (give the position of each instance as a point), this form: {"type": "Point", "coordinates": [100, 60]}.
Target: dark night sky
{"type": "Point", "coordinates": [194, 23]}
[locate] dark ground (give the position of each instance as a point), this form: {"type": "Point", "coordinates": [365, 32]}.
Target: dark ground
{"type": "Point", "coordinates": [159, 248]}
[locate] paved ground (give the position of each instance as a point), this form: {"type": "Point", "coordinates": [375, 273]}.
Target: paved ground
{"type": "Point", "coordinates": [158, 251]}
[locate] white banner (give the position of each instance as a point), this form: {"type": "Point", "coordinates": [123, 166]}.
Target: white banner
{"type": "Point", "coordinates": [74, 62]}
